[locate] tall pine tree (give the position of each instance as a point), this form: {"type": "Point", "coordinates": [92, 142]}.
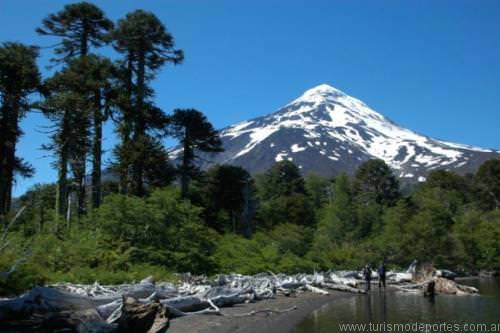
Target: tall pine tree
{"type": "Point", "coordinates": [100, 77]}
{"type": "Point", "coordinates": [80, 27]}
{"type": "Point", "coordinates": [195, 133]}
{"type": "Point", "coordinates": [227, 190]}
{"type": "Point", "coordinates": [146, 46]}
{"type": "Point", "coordinates": [19, 78]}
{"type": "Point", "coordinates": [67, 105]}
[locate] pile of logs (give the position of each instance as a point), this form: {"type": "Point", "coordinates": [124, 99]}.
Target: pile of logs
{"type": "Point", "coordinates": [148, 306]}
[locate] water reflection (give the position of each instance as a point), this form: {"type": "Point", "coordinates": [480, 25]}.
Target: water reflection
{"type": "Point", "coordinates": [393, 307]}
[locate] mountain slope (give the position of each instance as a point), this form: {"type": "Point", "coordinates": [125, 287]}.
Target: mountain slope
{"type": "Point", "coordinates": [327, 131]}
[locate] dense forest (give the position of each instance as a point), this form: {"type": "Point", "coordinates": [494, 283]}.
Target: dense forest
{"type": "Point", "coordinates": [148, 215]}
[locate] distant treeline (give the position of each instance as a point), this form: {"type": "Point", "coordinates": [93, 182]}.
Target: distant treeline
{"type": "Point", "coordinates": [158, 218]}
{"type": "Point", "coordinates": [277, 221]}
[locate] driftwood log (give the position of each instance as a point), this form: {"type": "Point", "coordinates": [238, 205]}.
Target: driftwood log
{"type": "Point", "coordinates": [142, 317]}
{"type": "Point", "coordinates": [450, 287]}
{"type": "Point", "coordinates": [431, 281]}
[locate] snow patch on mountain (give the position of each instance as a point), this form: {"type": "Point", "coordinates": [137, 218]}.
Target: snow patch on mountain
{"type": "Point", "coordinates": [295, 148]}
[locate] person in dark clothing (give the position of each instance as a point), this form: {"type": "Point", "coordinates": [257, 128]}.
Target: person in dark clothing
{"type": "Point", "coordinates": [381, 275]}
{"type": "Point", "coordinates": [367, 272]}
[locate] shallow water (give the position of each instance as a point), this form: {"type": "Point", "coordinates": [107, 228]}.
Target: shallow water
{"type": "Point", "coordinates": [382, 308]}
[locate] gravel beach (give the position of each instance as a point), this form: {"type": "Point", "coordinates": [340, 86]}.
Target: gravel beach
{"type": "Point", "coordinates": [261, 322]}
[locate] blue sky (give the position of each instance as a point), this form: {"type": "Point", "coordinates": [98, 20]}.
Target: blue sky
{"type": "Point", "coordinates": [431, 66]}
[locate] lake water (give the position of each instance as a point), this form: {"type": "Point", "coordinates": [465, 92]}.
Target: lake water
{"type": "Point", "coordinates": [384, 309]}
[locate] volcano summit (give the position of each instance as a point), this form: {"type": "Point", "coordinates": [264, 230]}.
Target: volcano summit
{"type": "Point", "coordinates": [326, 131]}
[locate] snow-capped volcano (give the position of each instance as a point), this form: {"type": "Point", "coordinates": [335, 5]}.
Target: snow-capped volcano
{"type": "Point", "coordinates": [327, 131]}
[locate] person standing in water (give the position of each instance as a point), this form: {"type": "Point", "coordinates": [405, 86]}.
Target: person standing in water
{"type": "Point", "coordinates": [381, 275]}
{"type": "Point", "coordinates": [367, 272]}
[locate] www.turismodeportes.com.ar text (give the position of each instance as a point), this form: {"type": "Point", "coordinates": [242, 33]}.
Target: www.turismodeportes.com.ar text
{"type": "Point", "coordinates": [420, 327]}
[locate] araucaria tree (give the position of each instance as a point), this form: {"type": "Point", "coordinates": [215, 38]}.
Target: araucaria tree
{"type": "Point", "coordinates": [195, 133]}
{"type": "Point", "coordinates": [99, 75]}
{"type": "Point", "coordinates": [78, 97]}
{"type": "Point", "coordinates": [80, 27]}
{"type": "Point", "coordinates": [19, 78]}
{"type": "Point", "coordinates": [67, 108]}
{"type": "Point", "coordinates": [228, 195]}
{"type": "Point", "coordinates": [146, 46]}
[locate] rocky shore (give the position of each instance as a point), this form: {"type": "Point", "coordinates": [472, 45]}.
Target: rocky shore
{"type": "Point", "coordinates": [265, 302]}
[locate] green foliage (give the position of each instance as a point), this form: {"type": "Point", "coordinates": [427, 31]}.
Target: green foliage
{"type": "Point", "coordinates": [145, 45]}
{"type": "Point", "coordinates": [79, 25]}
{"type": "Point", "coordinates": [158, 169]}
{"type": "Point", "coordinates": [238, 254]}
{"type": "Point", "coordinates": [436, 223]}
{"type": "Point", "coordinates": [374, 181]}
{"type": "Point", "coordinates": [129, 237]}
{"type": "Point", "coordinates": [283, 197]}
{"type": "Point", "coordinates": [450, 187]}
{"type": "Point", "coordinates": [73, 104]}
{"type": "Point", "coordinates": [466, 232]}
{"type": "Point", "coordinates": [82, 256]}
{"type": "Point", "coordinates": [280, 250]}
{"type": "Point", "coordinates": [39, 202]}
{"type": "Point", "coordinates": [488, 239]}
{"type": "Point", "coordinates": [319, 189]}
{"type": "Point", "coordinates": [336, 220]}
{"type": "Point", "coordinates": [227, 193]}
{"type": "Point", "coordinates": [195, 133]}
{"type": "Point", "coordinates": [349, 256]}
{"type": "Point", "coordinates": [368, 219]}
{"type": "Point", "coordinates": [145, 225]}
{"type": "Point", "coordinates": [282, 179]}
{"type": "Point", "coordinates": [488, 177]}
{"type": "Point", "coordinates": [294, 208]}
{"type": "Point", "coordinates": [336, 225]}
{"type": "Point", "coordinates": [446, 180]}
{"type": "Point", "coordinates": [142, 34]}
{"type": "Point", "coordinates": [124, 239]}
{"type": "Point", "coordinates": [429, 235]}
{"type": "Point", "coordinates": [291, 238]}
{"type": "Point", "coordinates": [394, 240]}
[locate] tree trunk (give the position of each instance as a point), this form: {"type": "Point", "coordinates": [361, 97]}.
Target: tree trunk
{"type": "Point", "coordinates": [97, 152]}
{"type": "Point", "coordinates": [80, 173]}
{"type": "Point", "coordinates": [62, 187]}
{"type": "Point", "coordinates": [124, 163]}
{"type": "Point", "coordinates": [138, 317]}
{"type": "Point", "coordinates": [62, 171]}
{"type": "Point", "coordinates": [9, 135]}
{"type": "Point", "coordinates": [68, 212]}
{"type": "Point", "coordinates": [186, 162]}
{"type": "Point", "coordinates": [84, 41]}
{"type": "Point", "coordinates": [139, 129]}
{"type": "Point", "coordinates": [247, 211]}
{"type": "Point", "coordinates": [3, 166]}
